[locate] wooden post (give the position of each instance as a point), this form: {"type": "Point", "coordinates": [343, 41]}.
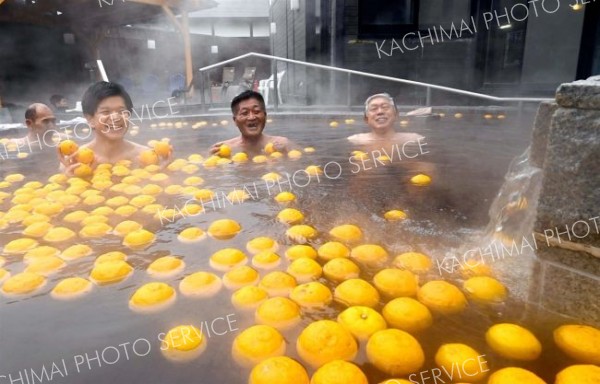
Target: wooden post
{"type": "Point", "coordinates": [185, 34]}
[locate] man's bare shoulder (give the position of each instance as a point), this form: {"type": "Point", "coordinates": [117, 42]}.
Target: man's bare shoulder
{"type": "Point", "coordinates": [137, 147]}
{"type": "Point", "coordinates": [360, 138]}
{"type": "Point", "coordinates": [408, 136]}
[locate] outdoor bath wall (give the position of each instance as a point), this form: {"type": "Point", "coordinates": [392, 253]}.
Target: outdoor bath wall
{"type": "Point", "coordinates": [566, 145]}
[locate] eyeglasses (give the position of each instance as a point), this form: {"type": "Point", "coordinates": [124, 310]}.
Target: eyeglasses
{"type": "Point", "coordinates": [384, 107]}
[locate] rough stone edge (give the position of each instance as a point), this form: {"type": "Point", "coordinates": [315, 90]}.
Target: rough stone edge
{"type": "Point", "coordinates": [541, 130]}
{"type": "Point", "coordinates": [582, 94]}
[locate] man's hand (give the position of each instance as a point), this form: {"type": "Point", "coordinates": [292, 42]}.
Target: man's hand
{"type": "Point", "coordinates": [280, 144]}
{"type": "Point", "coordinates": [215, 148]}
{"type": "Point", "coordinates": [165, 161]}
{"type": "Point", "coordinates": [68, 164]}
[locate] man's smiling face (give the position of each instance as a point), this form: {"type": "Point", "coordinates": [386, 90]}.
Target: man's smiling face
{"type": "Point", "coordinates": [380, 115]}
{"type": "Point", "coordinates": [111, 119]}
{"type": "Point", "coordinates": [250, 118]}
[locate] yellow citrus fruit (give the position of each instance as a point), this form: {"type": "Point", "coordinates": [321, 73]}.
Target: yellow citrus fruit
{"type": "Point", "coordinates": [280, 370]}
{"type": "Point", "coordinates": [395, 352]}
{"type": "Point", "coordinates": [305, 270]}
{"type": "Point", "coordinates": [110, 256]}
{"type": "Point", "coordinates": [191, 235]}
{"type": "Point", "coordinates": [256, 344]}
{"type": "Point", "coordinates": [45, 266]}
{"type": "Point", "coordinates": [110, 272]}
{"type": "Point", "coordinates": [249, 297]}
{"type": "Point", "coordinates": [311, 295]}
{"type": "Point", "coordinates": [579, 374]}
{"type": "Point", "coordinates": [224, 229]}
{"type": "Point", "coordinates": [71, 288]}
{"type": "Point", "coordinates": [239, 157]}
{"type": "Point", "coordinates": [369, 254]}
{"type": "Point", "coordinates": [37, 229]}
{"type": "Point", "coordinates": [148, 157]}
{"type": "Point", "coordinates": [285, 197]}
{"type": "Point", "coordinates": [332, 250]}
{"type": "Point", "coordinates": [407, 314]}
{"type": "Point", "coordinates": [224, 150]}
{"type": "Point", "coordinates": [485, 289]}
{"type": "Point", "coordinates": [392, 282]}
{"type": "Point", "coordinates": [83, 171]}
{"type": "Point", "coordinates": [227, 259]}
{"type": "Point", "coordinates": [581, 342]}
{"type": "Point", "coordinates": [413, 261]}
{"type": "Point", "coordinates": [473, 367]}
{"type": "Point", "coordinates": [162, 148]}
{"type": "Point", "coordinates": [23, 283]}
{"type": "Point", "coordinates": [20, 246]}
{"type": "Point", "coordinates": [294, 154]}
{"type": "Point", "coordinates": [266, 260]}
{"type": "Point", "coordinates": [152, 297]}
{"type": "Point", "coordinates": [356, 292]}
{"type": "Point", "coordinates": [290, 216]}
{"type": "Point", "coordinates": [513, 342]}
{"type": "Point", "coordinates": [278, 283]}
{"type": "Point", "coordinates": [76, 251]}
{"type": "Point", "coordinates": [299, 251]}
{"type": "Point", "coordinates": [340, 269]}
{"type": "Point", "coordinates": [259, 159]}
{"type": "Point", "coordinates": [269, 148]}
{"type": "Point", "coordinates": [301, 233]}
{"type": "Point", "coordinates": [240, 277]}
{"type": "Point", "coordinates": [442, 297]}
{"type": "Point", "coordinates": [394, 215]}
{"type": "Point", "coordinates": [339, 372]}
{"type": "Point", "coordinates": [513, 375]}
{"type": "Point", "coordinates": [361, 322]}
{"type": "Point", "coordinates": [138, 238]}
{"type": "Point", "coordinates": [84, 156]}
{"type": "Point", "coordinates": [260, 244]}
{"type": "Point", "coordinates": [278, 312]}
{"type": "Point", "coordinates": [183, 343]}
{"type": "Point", "coordinates": [324, 341]}
{"type": "Point", "coordinates": [200, 284]}
{"type": "Point", "coordinates": [67, 147]}
{"type": "Point", "coordinates": [165, 267]}
{"type": "Point", "coordinates": [346, 232]}
{"type": "Point", "coordinates": [421, 180]}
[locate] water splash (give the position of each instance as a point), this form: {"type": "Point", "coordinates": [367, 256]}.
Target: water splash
{"type": "Point", "coordinates": [513, 212]}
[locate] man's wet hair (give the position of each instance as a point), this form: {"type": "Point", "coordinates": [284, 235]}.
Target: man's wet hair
{"type": "Point", "coordinates": [100, 91]}
{"type": "Point", "coordinates": [247, 95]}
{"type": "Point", "coordinates": [55, 99]}
{"type": "Point", "coordinates": [382, 95]}
{"type": "Point", "coordinates": [31, 112]}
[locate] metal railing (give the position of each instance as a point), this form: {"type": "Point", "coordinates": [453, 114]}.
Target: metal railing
{"type": "Point", "coordinates": [428, 86]}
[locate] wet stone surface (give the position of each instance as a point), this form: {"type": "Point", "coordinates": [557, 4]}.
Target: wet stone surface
{"type": "Point", "coordinates": [583, 94]}
{"type": "Point", "coordinates": [570, 186]}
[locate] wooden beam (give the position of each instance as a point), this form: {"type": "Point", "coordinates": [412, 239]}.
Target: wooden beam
{"type": "Point", "coordinates": [159, 3]}
{"type": "Point", "coordinates": [173, 19]}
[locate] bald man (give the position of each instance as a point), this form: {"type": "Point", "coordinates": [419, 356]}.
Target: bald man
{"type": "Point", "coordinates": [380, 115]}
{"type": "Point", "coordinates": [39, 119]}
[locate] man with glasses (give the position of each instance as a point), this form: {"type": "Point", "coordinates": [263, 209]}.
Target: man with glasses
{"type": "Point", "coordinates": [250, 116]}
{"type": "Point", "coordinates": [380, 116]}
